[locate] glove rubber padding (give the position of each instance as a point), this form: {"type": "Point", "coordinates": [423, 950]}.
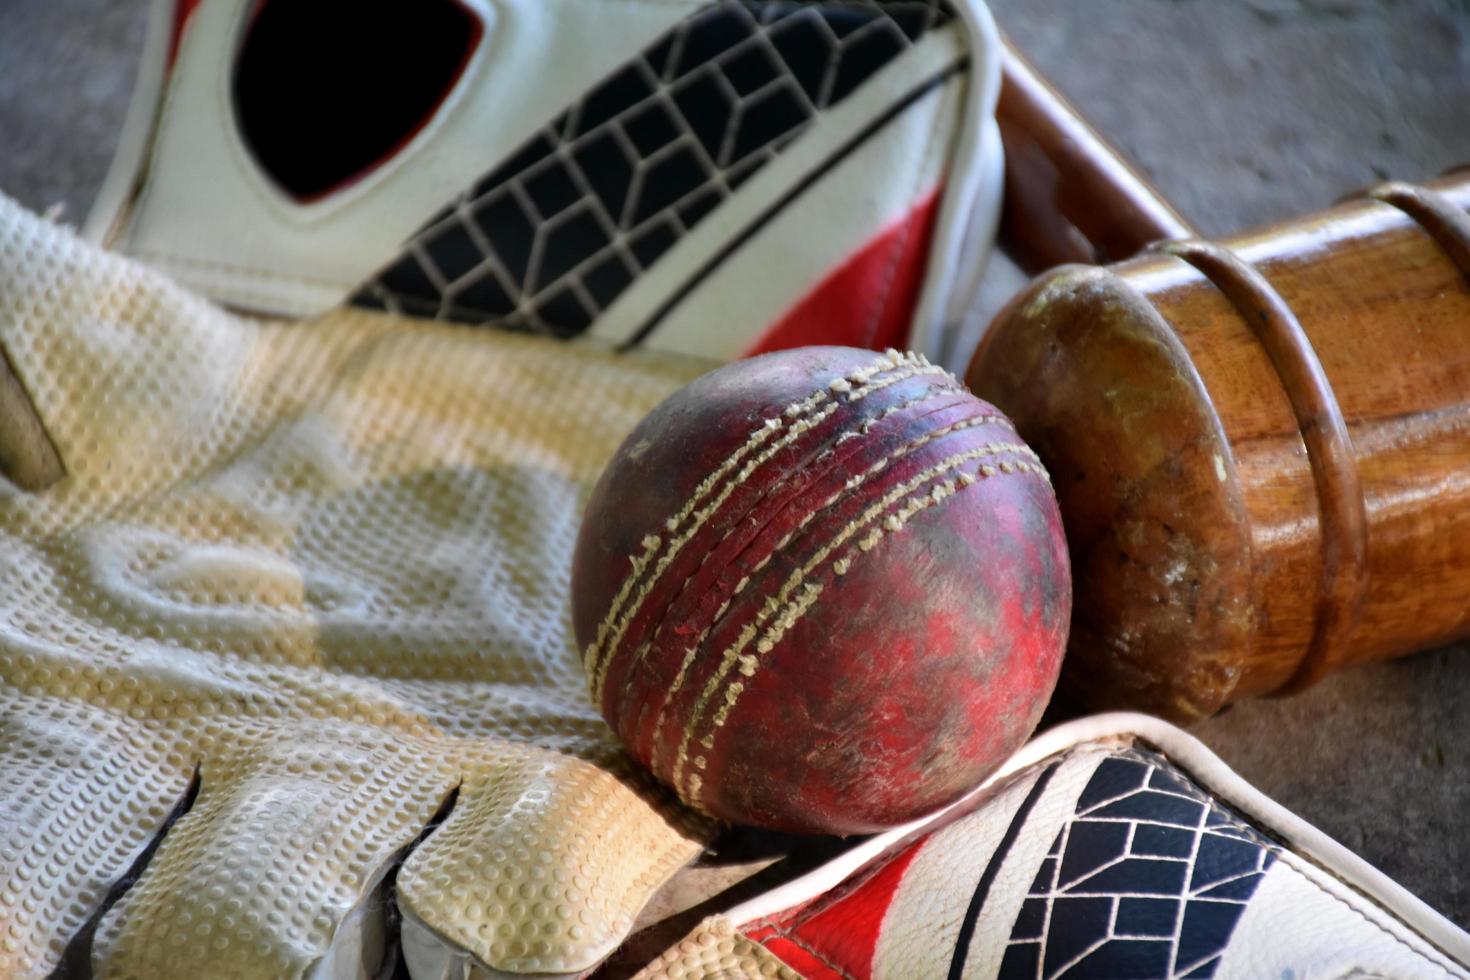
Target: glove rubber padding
{"type": "Point", "coordinates": [321, 568]}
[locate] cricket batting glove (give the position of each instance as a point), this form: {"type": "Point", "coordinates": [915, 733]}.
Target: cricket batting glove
{"type": "Point", "coordinates": [284, 638]}
{"type": "Point", "coordinates": [1114, 846]}
{"type": "Point", "coordinates": [717, 177]}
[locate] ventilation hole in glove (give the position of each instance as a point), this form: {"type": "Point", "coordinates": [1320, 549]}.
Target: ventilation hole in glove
{"type": "Point", "coordinates": [329, 90]}
{"type": "Point", "coordinates": [76, 960]}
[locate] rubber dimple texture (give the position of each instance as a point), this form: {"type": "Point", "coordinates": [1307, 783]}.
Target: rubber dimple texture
{"type": "Point", "coordinates": [326, 565]}
{"type": "Point", "coordinates": [716, 950]}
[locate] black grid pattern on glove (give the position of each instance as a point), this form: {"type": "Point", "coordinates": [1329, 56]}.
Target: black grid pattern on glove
{"type": "Point", "coordinates": [548, 240]}
{"type": "Point", "coordinates": [1148, 879]}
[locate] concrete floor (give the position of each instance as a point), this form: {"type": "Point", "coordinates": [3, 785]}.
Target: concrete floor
{"type": "Point", "coordinates": [1243, 112]}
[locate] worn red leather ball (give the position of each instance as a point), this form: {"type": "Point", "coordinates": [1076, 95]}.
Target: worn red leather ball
{"type": "Point", "coordinates": [822, 590]}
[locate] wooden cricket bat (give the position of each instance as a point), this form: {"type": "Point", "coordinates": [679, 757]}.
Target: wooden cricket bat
{"type": "Point", "coordinates": [1261, 448]}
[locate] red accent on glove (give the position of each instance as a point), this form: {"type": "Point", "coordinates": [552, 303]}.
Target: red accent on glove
{"type": "Point", "coordinates": [834, 938]}
{"type": "Point", "coordinates": [869, 300]}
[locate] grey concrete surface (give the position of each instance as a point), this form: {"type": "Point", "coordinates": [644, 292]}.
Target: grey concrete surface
{"type": "Point", "coordinates": [1252, 111]}
{"type": "Point", "coordinates": [1249, 111]}
{"type": "Point", "coordinates": [1242, 111]}
{"type": "Point", "coordinates": [66, 71]}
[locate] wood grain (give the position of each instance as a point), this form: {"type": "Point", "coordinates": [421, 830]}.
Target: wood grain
{"type": "Point", "coordinates": [1208, 498]}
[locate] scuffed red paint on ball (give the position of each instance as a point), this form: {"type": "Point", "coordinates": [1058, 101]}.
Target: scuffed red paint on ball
{"type": "Point", "coordinates": [822, 590]}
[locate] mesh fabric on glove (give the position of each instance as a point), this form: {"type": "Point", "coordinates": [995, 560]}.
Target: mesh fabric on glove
{"type": "Point", "coordinates": [324, 566]}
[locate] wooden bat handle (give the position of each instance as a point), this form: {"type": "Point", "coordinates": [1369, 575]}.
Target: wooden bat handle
{"type": "Point", "coordinates": [1070, 197]}
{"type": "Point", "coordinates": [1261, 448]}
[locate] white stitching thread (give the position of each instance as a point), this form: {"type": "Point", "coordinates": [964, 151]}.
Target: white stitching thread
{"type": "Point", "coordinates": [774, 605]}
{"type": "Point", "coordinates": [598, 656]}
{"type": "Point", "coordinates": [652, 542]}
{"type": "Point", "coordinates": [842, 565]}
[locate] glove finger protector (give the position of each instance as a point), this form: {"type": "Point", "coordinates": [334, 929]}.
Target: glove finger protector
{"type": "Point", "coordinates": [301, 590]}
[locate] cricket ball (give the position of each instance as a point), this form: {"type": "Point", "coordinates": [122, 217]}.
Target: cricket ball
{"type": "Point", "coordinates": [822, 590]}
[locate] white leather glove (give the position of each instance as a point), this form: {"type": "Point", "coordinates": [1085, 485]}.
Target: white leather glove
{"type": "Point", "coordinates": [710, 178]}
{"type": "Point", "coordinates": [1112, 846]}
{"type": "Point", "coordinates": [300, 594]}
